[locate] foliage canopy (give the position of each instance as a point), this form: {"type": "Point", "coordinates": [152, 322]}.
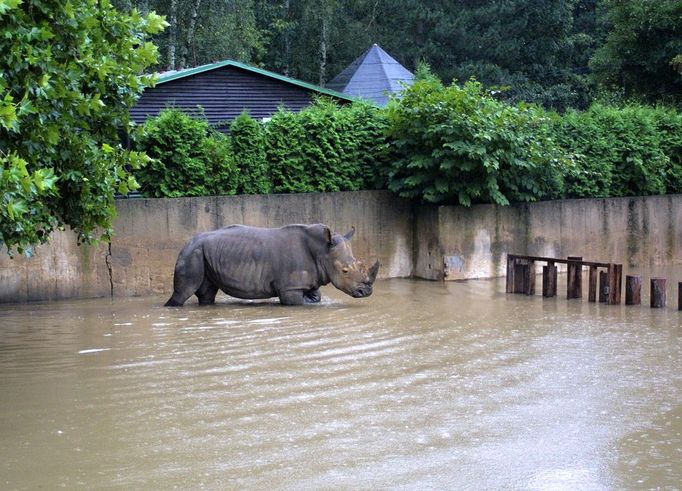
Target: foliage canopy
{"type": "Point", "coordinates": [69, 72]}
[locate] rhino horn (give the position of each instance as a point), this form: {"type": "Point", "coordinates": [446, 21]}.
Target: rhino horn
{"type": "Point", "coordinates": [373, 272]}
{"type": "Point", "coordinates": [350, 233]}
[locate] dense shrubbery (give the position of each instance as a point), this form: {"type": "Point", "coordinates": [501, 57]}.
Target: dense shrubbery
{"type": "Point", "coordinates": [323, 148]}
{"type": "Point", "coordinates": [459, 145]}
{"type": "Point", "coordinates": [249, 152]}
{"type": "Point", "coordinates": [634, 150]}
{"type": "Point", "coordinates": [189, 157]}
{"type": "Point", "coordinates": [69, 72]}
{"type": "Point", "coordinates": [440, 144]}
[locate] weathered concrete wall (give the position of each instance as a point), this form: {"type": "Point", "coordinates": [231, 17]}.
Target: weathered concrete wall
{"type": "Point", "coordinates": [424, 241]}
{"type": "Point", "coordinates": [60, 269]}
{"type": "Point", "coordinates": [151, 232]}
{"type": "Point", "coordinates": [458, 243]}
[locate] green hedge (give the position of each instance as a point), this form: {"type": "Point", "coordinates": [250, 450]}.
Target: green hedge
{"type": "Point", "coordinates": [325, 148]}
{"type": "Point", "coordinates": [248, 146]}
{"type": "Point", "coordinates": [441, 144]}
{"type": "Point", "coordinates": [634, 150]}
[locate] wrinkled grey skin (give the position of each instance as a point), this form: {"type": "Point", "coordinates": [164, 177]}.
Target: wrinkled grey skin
{"type": "Point", "coordinates": [290, 262]}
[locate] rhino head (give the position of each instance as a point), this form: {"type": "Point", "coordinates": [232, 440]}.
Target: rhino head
{"type": "Point", "coordinates": [347, 273]}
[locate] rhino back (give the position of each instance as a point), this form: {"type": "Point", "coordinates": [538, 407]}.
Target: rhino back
{"type": "Point", "coordinates": [250, 262]}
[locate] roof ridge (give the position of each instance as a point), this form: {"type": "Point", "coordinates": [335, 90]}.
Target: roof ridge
{"type": "Point", "coordinates": [212, 66]}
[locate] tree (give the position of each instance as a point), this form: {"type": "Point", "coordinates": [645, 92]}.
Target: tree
{"type": "Point", "coordinates": [202, 32]}
{"type": "Point", "coordinates": [643, 50]}
{"type": "Point", "coordinates": [69, 73]}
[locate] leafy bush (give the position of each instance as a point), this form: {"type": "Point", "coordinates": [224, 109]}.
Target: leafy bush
{"type": "Point", "coordinates": [459, 145]}
{"type": "Point", "coordinates": [249, 153]}
{"type": "Point", "coordinates": [25, 219]}
{"type": "Point", "coordinates": [190, 158]}
{"type": "Point", "coordinates": [325, 147]}
{"type": "Point", "coordinates": [634, 150]}
{"type": "Point", "coordinates": [669, 127]}
{"type": "Point", "coordinates": [287, 162]}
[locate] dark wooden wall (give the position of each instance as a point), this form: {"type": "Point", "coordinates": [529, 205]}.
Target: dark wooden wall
{"type": "Point", "coordinates": [223, 93]}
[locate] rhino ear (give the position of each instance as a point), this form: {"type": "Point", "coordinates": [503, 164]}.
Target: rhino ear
{"type": "Point", "coordinates": [322, 233]}
{"type": "Point", "coordinates": [350, 233]}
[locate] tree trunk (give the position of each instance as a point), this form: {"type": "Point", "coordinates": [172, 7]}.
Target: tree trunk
{"type": "Point", "coordinates": [323, 50]}
{"type": "Point", "coordinates": [418, 41]}
{"type": "Point", "coordinates": [287, 36]}
{"type": "Point", "coordinates": [172, 33]}
{"type": "Point", "coordinates": [191, 29]}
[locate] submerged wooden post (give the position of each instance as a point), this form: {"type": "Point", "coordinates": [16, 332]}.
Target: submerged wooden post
{"type": "Point", "coordinates": [679, 296]}
{"type": "Point", "coordinates": [603, 287]}
{"type": "Point", "coordinates": [574, 288]}
{"type": "Point", "coordinates": [530, 279]}
{"type": "Point", "coordinates": [633, 290]}
{"type": "Point", "coordinates": [511, 261]}
{"type": "Point", "coordinates": [524, 277]}
{"type": "Point", "coordinates": [615, 280]}
{"type": "Point", "coordinates": [592, 288]}
{"type": "Point", "coordinates": [549, 277]}
{"type": "Point", "coordinates": [658, 293]}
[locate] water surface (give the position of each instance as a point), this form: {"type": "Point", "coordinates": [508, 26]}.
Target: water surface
{"type": "Point", "coordinates": [421, 386]}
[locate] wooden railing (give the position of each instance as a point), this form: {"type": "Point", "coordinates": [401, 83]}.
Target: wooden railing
{"type": "Point", "coordinates": [521, 277]}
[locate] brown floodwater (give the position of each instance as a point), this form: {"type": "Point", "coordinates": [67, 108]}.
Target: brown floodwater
{"type": "Point", "coordinates": [424, 385]}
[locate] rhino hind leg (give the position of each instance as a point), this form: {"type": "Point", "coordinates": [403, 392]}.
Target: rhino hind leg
{"type": "Point", "coordinates": [206, 292]}
{"type": "Point", "coordinates": [188, 277]}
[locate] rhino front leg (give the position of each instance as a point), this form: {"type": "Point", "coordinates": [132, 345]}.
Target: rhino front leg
{"type": "Point", "coordinates": [312, 296]}
{"type": "Point", "coordinates": [291, 297]}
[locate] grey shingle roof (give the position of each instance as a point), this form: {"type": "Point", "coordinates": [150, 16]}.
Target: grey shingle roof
{"type": "Point", "coordinates": [373, 75]}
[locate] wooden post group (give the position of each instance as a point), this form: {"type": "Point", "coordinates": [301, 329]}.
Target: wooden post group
{"type": "Point", "coordinates": [603, 286]}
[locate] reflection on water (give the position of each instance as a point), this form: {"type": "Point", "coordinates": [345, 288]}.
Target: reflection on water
{"type": "Point", "coordinates": [421, 386]}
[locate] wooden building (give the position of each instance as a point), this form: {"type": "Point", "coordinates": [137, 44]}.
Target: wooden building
{"type": "Point", "coordinates": [221, 91]}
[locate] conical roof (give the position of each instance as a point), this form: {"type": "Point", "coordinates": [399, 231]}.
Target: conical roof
{"type": "Point", "coordinates": [373, 75]}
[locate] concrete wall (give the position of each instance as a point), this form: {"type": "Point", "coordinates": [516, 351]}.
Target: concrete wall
{"type": "Point", "coordinates": [458, 243]}
{"type": "Point", "coordinates": [424, 241]}
{"type": "Point", "coordinates": [151, 232]}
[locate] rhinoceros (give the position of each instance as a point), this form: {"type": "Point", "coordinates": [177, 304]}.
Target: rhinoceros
{"type": "Point", "coordinates": [289, 262]}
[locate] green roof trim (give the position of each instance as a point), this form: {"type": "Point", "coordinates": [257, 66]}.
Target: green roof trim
{"type": "Point", "coordinates": [205, 68]}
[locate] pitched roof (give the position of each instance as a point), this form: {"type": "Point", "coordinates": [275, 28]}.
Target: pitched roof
{"type": "Point", "coordinates": [374, 75]}
{"type": "Point", "coordinates": [171, 75]}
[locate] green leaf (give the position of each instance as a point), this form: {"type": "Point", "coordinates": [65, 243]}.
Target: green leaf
{"type": "Point", "coordinates": [7, 5]}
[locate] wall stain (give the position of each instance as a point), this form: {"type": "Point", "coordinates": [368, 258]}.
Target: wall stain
{"type": "Point", "coordinates": [633, 233]}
